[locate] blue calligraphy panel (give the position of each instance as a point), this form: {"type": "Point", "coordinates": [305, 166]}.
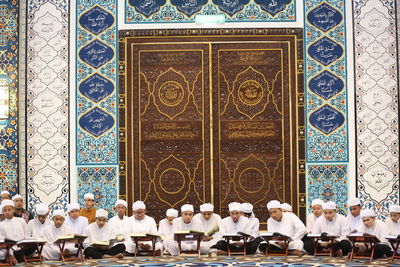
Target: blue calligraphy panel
{"type": "Point", "coordinates": [147, 7]}
{"type": "Point", "coordinates": [326, 119]}
{"type": "Point", "coordinates": [96, 20]}
{"type": "Point", "coordinates": [326, 85]}
{"type": "Point", "coordinates": [96, 87]}
{"type": "Point", "coordinates": [324, 17]}
{"type": "Point", "coordinates": [96, 122]}
{"type": "Point", "coordinates": [273, 7]}
{"type": "Point", "coordinates": [231, 7]}
{"type": "Point", "coordinates": [189, 7]}
{"type": "Point", "coordinates": [325, 51]}
{"type": "Point", "coordinates": [96, 54]}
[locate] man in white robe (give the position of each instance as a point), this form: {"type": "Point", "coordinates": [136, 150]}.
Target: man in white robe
{"type": "Point", "coordinates": [316, 206]}
{"type": "Point", "coordinates": [185, 223]}
{"type": "Point", "coordinates": [209, 221]}
{"type": "Point", "coordinates": [77, 223]}
{"type": "Point", "coordinates": [354, 217]}
{"type": "Point", "coordinates": [392, 222]}
{"type": "Point", "coordinates": [334, 224]}
{"type": "Point", "coordinates": [286, 207]}
{"type": "Point", "coordinates": [5, 195]}
{"type": "Point", "coordinates": [40, 222]}
{"type": "Point", "coordinates": [56, 229]}
{"type": "Point", "coordinates": [140, 223]}
{"type": "Point", "coordinates": [101, 231]}
{"type": "Point", "coordinates": [165, 227]}
{"type": "Point", "coordinates": [120, 222]}
{"type": "Point", "coordinates": [254, 223]}
{"type": "Point", "coordinates": [285, 223]}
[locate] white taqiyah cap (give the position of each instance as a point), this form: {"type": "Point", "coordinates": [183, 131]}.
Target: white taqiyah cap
{"type": "Point", "coordinates": [187, 207]}
{"type": "Point", "coordinates": [286, 206]}
{"type": "Point", "coordinates": [206, 207]}
{"type": "Point", "coordinates": [368, 213]}
{"type": "Point", "coordinates": [172, 213]}
{"type": "Point", "coordinates": [58, 213]}
{"type": "Point", "coordinates": [73, 206]}
{"type": "Point", "coordinates": [316, 202]}
{"type": "Point", "coordinates": [101, 213]}
{"type": "Point", "coordinates": [330, 205]}
{"type": "Point", "coordinates": [353, 202]}
{"type": "Point", "coordinates": [42, 209]}
{"type": "Point", "coordinates": [121, 202]}
{"type": "Point", "coordinates": [7, 202]}
{"type": "Point", "coordinates": [235, 206]}
{"type": "Point", "coordinates": [138, 205]}
{"type": "Point", "coordinates": [17, 197]}
{"type": "Point", "coordinates": [394, 208]}
{"type": "Point", "coordinates": [273, 204]}
{"type": "Point", "coordinates": [88, 196]}
{"type": "Point", "coordinates": [246, 207]}
{"type": "Point", "coordinates": [5, 192]}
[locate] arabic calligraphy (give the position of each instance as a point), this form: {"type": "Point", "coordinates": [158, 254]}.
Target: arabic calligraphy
{"type": "Point", "coordinates": [248, 129]}
{"type": "Point", "coordinates": [96, 54]}
{"type": "Point", "coordinates": [273, 7]}
{"type": "Point", "coordinates": [325, 50]}
{"type": "Point", "coordinates": [326, 85]}
{"type": "Point", "coordinates": [147, 7]}
{"type": "Point", "coordinates": [96, 20]}
{"type": "Point", "coordinates": [324, 17]}
{"type": "Point", "coordinates": [96, 122]}
{"type": "Point", "coordinates": [231, 6]}
{"type": "Point", "coordinates": [96, 87]}
{"type": "Point", "coordinates": [326, 119]}
{"type": "Point", "coordinates": [189, 7]}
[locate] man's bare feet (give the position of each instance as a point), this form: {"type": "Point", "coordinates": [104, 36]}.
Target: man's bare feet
{"type": "Point", "coordinates": [296, 253]}
{"type": "Point", "coordinates": [119, 255]}
{"type": "Point", "coordinates": [221, 252]}
{"type": "Point", "coordinates": [339, 253]}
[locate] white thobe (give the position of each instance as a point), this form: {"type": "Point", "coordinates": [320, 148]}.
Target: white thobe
{"type": "Point", "coordinates": [392, 228]}
{"type": "Point", "coordinates": [15, 228]}
{"type": "Point", "coordinates": [378, 229]}
{"type": "Point", "coordinates": [145, 226]}
{"type": "Point", "coordinates": [51, 251]}
{"type": "Point", "coordinates": [2, 251]}
{"type": "Point", "coordinates": [254, 226]}
{"type": "Point", "coordinates": [121, 227]}
{"type": "Point", "coordinates": [78, 226]}
{"type": "Point", "coordinates": [208, 225]}
{"type": "Point", "coordinates": [355, 223]}
{"type": "Point", "coordinates": [339, 226]}
{"type": "Point", "coordinates": [228, 226]}
{"type": "Point", "coordinates": [36, 228]}
{"type": "Point", "coordinates": [178, 225]}
{"type": "Point", "coordinates": [291, 226]}
{"type": "Point", "coordinates": [96, 234]}
{"type": "Point", "coordinates": [310, 220]}
{"type": "Point", "coordinates": [166, 230]}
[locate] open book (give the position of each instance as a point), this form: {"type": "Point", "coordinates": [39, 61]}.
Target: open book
{"type": "Point", "coordinates": [212, 231]}
{"type": "Point", "coordinates": [144, 235]}
{"type": "Point", "coordinates": [31, 240]}
{"type": "Point", "coordinates": [189, 232]}
{"type": "Point", "coordinates": [68, 237]}
{"type": "Point", "coordinates": [237, 234]}
{"type": "Point", "coordinates": [104, 245]}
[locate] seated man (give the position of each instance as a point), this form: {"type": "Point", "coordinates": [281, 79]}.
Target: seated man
{"type": "Point", "coordinates": [232, 225]}
{"type": "Point", "coordinates": [140, 223]}
{"type": "Point", "coordinates": [36, 226]}
{"type": "Point", "coordinates": [56, 229]}
{"type": "Point", "coordinates": [77, 223]}
{"type": "Point", "coordinates": [1, 214]}
{"type": "Point", "coordinates": [89, 211]}
{"type": "Point", "coordinates": [316, 206]}
{"type": "Point", "coordinates": [354, 218]}
{"type": "Point", "coordinates": [101, 231]}
{"type": "Point", "coordinates": [120, 223]}
{"type": "Point", "coordinates": [334, 224]}
{"type": "Point", "coordinates": [209, 221]}
{"type": "Point", "coordinates": [19, 210]}
{"type": "Point", "coordinates": [254, 223]}
{"type": "Point", "coordinates": [393, 223]}
{"type": "Point", "coordinates": [374, 227]}
{"type": "Point", "coordinates": [165, 228]}
{"type": "Point", "coordinates": [5, 195]}
{"type": "Point", "coordinates": [286, 207]}
{"type": "Point", "coordinates": [285, 223]}
{"type": "Point", "coordinates": [185, 223]}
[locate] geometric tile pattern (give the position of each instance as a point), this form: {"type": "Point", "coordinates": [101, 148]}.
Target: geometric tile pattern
{"type": "Point", "coordinates": [9, 74]}
{"type": "Point", "coordinates": [48, 103]}
{"type": "Point", "coordinates": [184, 11]}
{"type": "Point", "coordinates": [377, 128]}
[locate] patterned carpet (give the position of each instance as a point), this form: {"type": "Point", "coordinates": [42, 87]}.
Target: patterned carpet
{"type": "Point", "coordinates": [257, 260]}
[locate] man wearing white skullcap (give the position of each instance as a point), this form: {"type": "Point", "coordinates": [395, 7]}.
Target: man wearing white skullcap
{"type": "Point", "coordinates": [334, 224]}
{"type": "Point", "coordinates": [393, 222]}
{"type": "Point", "coordinates": [20, 212]}
{"type": "Point", "coordinates": [185, 223]}
{"type": "Point", "coordinates": [210, 222]}
{"type": "Point", "coordinates": [77, 223]}
{"type": "Point", "coordinates": [56, 229]}
{"type": "Point", "coordinates": [375, 227]}
{"type": "Point", "coordinates": [120, 223]}
{"type": "Point", "coordinates": [5, 195]}
{"type": "Point", "coordinates": [286, 223]}
{"type": "Point", "coordinates": [101, 231]}
{"type": "Point", "coordinates": [286, 207]}
{"type": "Point", "coordinates": [36, 226]}
{"type": "Point", "coordinates": [140, 223]}
{"type": "Point", "coordinates": [89, 211]}
{"type": "Point", "coordinates": [316, 206]}
{"type": "Point", "coordinates": [165, 228]}
{"type": "Point", "coordinates": [354, 217]}
{"type": "Point", "coordinates": [254, 223]}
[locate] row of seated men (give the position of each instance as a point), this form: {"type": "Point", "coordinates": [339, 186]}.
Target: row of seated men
{"type": "Point", "coordinates": [323, 219]}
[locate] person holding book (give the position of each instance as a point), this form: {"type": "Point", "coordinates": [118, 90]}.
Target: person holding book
{"type": "Point", "coordinates": [286, 207]}
{"type": "Point", "coordinates": [254, 223]}
{"type": "Point", "coordinates": [89, 211]}
{"type": "Point", "coordinates": [316, 206]}
{"type": "Point", "coordinates": [140, 223]}
{"type": "Point", "coordinates": [77, 223]}
{"type": "Point", "coordinates": [209, 221]}
{"type": "Point", "coordinates": [120, 223]}
{"type": "Point", "coordinates": [333, 224]}
{"type": "Point", "coordinates": [52, 232]}
{"type": "Point", "coordinates": [185, 224]}
{"type": "Point", "coordinates": [5, 195]}
{"type": "Point", "coordinates": [19, 210]}
{"type": "Point", "coordinates": [285, 223]}
{"type": "Point", "coordinates": [165, 227]}
{"type": "Point", "coordinates": [393, 222]}
{"type": "Point", "coordinates": [101, 239]}
{"type": "Point", "coordinates": [40, 222]}
{"type": "Point", "coordinates": [354, 217]}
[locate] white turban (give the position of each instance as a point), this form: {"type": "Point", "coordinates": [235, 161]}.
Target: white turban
{"type": "Point", "coordinates": [286, 206]}
{"type": "Point", "coordinates": [88, 196]}
{"type": "Point", "coordinates": [7, 202]}
{"type": "Point", "coordinates": [5, 192]}
{"type": "Point", "coordinates": [394, 208]}
{"type": "Point", "coordinates": [17, 197]}
{"type": "Point", "coordinates": [246, 207]}
{"type": "Point", "coordinates": [73, 206]}
{"type": "Point", "coordinates": [58, 213]}
{"type": "Point", "coordinates": [172, 213]}
{"type": "Point", "coordinates": [101, 213]}
{"type": "Point", "coordinates": [187, 207]}
{"type": "Point", "coordinates": [42, 209]}
{"type": "Point", "coordinates": [368, 213]}
{"type": "Point", "coordinates": [235, 206]}
{"type": "Point", "coordinates": [206, 207]}
{"type": "Point", "coordinates": [329, 205]}
{"type": "Point", "coordinates": [138, 205]}
{"type": "Point", "coordinates": [353, 202]}
{"type": "Point", "coordinates": [121, 202]}
{"type": "Point", "coordinates": [273, 204]}
{"type": "Point", "coordinates": [316, 202]}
